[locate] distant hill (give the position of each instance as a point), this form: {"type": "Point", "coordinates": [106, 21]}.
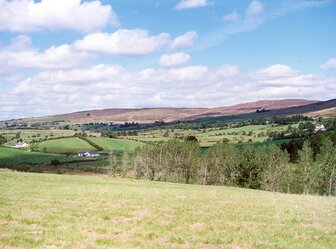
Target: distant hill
{"type": "Point", "coordinates": [320, 108]}
{"type": "Point", "coordinates": [150, 115]}
{"type": "Point", "coordinates": [330, 112]}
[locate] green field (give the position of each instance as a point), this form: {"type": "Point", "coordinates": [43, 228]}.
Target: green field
{"type": "Point", "coordinates": [113, 144]}
{"type": "Point", "coordinates": [34, 134]}
{"type": "Point", "coordinates": [65, 145]}
{"type": "Point", "coordinates": [57, 211]}
{"type": "Point", "coordinates": [9, 156]}
{"type": "Point", "coordinates": [210, 136]}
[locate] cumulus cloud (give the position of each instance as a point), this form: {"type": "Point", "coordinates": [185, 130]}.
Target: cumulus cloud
{"type": "Point", "coordinates": [232, 17]}
{"type": "Point", "coordinates": [132, 42]}
{"type": "Point", "coordinates": [188, 4]}
{"type": "Point", "coordinates": [251, 17]}
{"type": "Point", "coordinates": [20, 54]}
{"type": "Point", "coordinates": [29, 15]}
{"type": "Point", "coordinates": [228, 71]}
{"type": "Point", "coordinates": [184, 41]}
{"type": "Point", "coordinates": [274, 71]}
{"type": "Point", "coordinates": [103, 86]}
{"type": "Point", "coordinates": [172, 60]}
{"type": "Point", "coordinates": [330, 64]}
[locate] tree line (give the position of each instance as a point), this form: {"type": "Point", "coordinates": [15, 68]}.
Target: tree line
{"type": "Point", "coordinates": [267, 167]}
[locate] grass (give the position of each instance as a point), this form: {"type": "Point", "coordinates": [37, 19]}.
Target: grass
{"type": "Point", "coordinates": [34, 134]}
{"type": "Point", "coordinates": [9, 156]}
{"type": "Point", "coordinates": [113, 144]}
{"type": "Point", "coordinates": [213, 135]}
{"type": "Point", "coordinates": [62, 211]}
{"type": "Point", "coordinates": [65, 145]}
{"type": "Point", "coordinates": [15, 157]}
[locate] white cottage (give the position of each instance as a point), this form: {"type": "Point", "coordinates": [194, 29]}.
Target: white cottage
{"type": "Point", "coordinates": [320, 128]}
{"type": "Point", "coordinates": [88, 154]}
{"type": "Point", "coordinates": [21, 145]}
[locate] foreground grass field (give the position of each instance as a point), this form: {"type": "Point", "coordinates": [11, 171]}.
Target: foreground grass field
{"type": "Point", "coordinates": [56, 211]}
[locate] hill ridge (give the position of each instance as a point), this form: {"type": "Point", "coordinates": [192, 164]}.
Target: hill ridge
{"type": "Point", "coordinates": [168, 114]}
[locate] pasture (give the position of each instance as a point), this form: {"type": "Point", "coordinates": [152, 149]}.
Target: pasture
{"type": "Point", "coordinates": [210, 136]}
{"type": "Point", "coordinates": [113, 144]}
{"type": "Point", "coordinates": [30, 135]}
{"type": "Point", "coordinates": [62, 211]}
{"type": "Point", "coordinates": [65, 145]}
{"type": "Point", "coordinates": [9, 157]}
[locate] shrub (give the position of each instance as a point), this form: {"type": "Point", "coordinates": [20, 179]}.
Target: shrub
{"type": "Point", "coordinates": [55, 162]}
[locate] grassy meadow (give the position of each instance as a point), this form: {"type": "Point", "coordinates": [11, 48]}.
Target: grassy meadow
{"type": "Point", "coordinates": [65, 145]}
{"type": "Point", "coordinates": [114, 144]}
{"type": "Point", "coordinates": [210, 136]}
{"type": "Point", "coordinates": [29, 135]}
{"type": "Point", "coordinates": [62, 211]}
{"type": "Point", "coordinates": [9, 156]}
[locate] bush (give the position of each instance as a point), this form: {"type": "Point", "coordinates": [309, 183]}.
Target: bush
{"type": "Point", "coordinates": [55, 162]}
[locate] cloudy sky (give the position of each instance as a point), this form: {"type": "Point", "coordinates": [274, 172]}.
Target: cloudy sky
{"type": "Point", "coordinates": [59, 56]}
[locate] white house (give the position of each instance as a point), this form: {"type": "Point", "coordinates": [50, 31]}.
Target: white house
{"type": "Point", "coordinates": [320, 128]}
{"type": "Point", "coordinates": [88, 154]}
{"type": "Point", "coordinates": [21, 145]}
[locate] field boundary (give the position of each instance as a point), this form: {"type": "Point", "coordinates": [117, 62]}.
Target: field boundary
{"type": "Point", "coordinates": [93, 144]}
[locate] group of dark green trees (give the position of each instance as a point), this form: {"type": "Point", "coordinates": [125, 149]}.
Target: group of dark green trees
{"type": "Point", "coordinates": [266, 167]}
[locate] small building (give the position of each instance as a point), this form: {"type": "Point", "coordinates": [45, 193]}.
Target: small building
{"type": "Point", "coordinates": [88, 154]}
{"type": "Point", "coordinates": [320, 128]}
{"type": "Point", "coordinates": [21, 145]}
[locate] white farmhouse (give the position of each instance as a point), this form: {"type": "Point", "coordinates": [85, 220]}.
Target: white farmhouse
{"type": "Point", "coordinates": [21, 145]}
{"type": "Point", "coordinates": [88, 154]}
{"type": "Point", "coordinates": [320, 128]}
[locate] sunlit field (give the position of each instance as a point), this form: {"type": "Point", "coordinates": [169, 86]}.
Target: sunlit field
{"type": "Point", "coordinates": [62, 211]}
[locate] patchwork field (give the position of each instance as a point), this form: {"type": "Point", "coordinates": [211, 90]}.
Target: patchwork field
{"type": "Point", "coordinates": [57, 211]}
{"type": "Point", "coordinates": [34, 134]}
{"type": "Point", "coordinates": [9, 156]}
{"type": "Point", "coordinates": [208, 137]}
{"type": "Point", "coordinates": [113, 144]}
{"type": "Point", "coordinates": [65, 145]}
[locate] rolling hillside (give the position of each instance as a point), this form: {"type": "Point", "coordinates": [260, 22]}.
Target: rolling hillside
{"type": "Point", "coordinates": [150, 115]}
{"type": "Point", "coordinates": [65, 145]}
{"type": "Point", "coordinates": [317, 107]}
{"type": "Point", "coordinates": [58, 211]}
{"type": "Point", "coordinates": [329, 112]}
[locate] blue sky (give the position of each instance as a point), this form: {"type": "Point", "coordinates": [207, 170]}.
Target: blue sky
{"type": "Point", "coordinates": [69, 55]}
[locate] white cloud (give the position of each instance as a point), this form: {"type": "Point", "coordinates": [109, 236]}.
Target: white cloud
{"type": "Point", "coordinates": [188, 74]}
{"type": "Point", "coordinates": [274, 71]}
{"type": "Point", "coordinates": [232, 17]}
{"type": "Point", "coordinates": [184, 41]}
{"type": "Point", "coordinates": [255, 8]}
{"type": "Point", "coordinates": [172, 60]}
{"type": "Point", "coordinates": [253, 12]}
{"type": "Point", "coordinates": [29, 15]}
{"type": "Point", "coordinates": [20, 54]}
{"type": "Point", "coordinates": [104, 86]}
{"type": "Point", "coordinates": [132, 42]}
{"type": "Point", "coordinates": [228, 71]}
{"type": "Point", "coordinates": [330, 64]}
{"type": "Point", "coordinates": [188, 4]}
{"type": "Point", "coordinates": [123, 42]}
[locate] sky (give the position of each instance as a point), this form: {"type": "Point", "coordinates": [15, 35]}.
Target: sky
{"type": "Point", "coordinates": [60, 56]}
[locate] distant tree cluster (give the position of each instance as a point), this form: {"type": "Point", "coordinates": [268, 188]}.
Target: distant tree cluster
{"type": "Point", "coordinates": [265, 167]}
{"type": "Point", "coordinates": [3, 140]}
{"type": "Point", "coordinates": [113, 134]}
